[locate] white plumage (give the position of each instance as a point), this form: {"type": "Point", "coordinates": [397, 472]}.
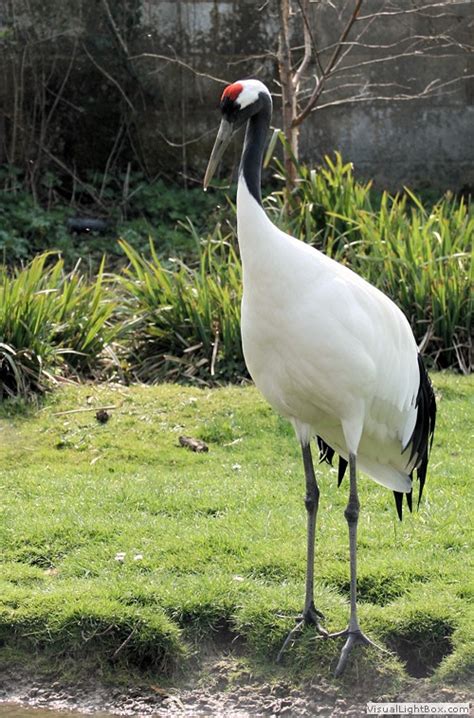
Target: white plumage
{"type": "Point", "coordinates": [329, 351]}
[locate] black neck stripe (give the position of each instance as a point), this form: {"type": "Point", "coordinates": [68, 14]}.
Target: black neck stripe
{"type": "Point", "coordinates": [254, 146]}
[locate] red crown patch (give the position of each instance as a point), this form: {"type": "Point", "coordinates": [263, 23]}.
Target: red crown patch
{"type": "Point", "coordinates": [232, 91]}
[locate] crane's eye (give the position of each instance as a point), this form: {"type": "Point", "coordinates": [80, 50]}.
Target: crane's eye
{"type": "Point", "coordinates": [229, 108]}
{"type": "Point", "coordinates": [229, 104]}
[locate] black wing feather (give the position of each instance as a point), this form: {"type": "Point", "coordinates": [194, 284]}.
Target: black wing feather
{"type": "Point", "coordinates": [419, 444]}
{"type": "Point", "coordinates": [326, 453]}
{"type": "Point", "coordinates": [343, 464]}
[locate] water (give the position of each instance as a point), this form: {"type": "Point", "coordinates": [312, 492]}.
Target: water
{"type": "Point", "coordinates": [15, 710]}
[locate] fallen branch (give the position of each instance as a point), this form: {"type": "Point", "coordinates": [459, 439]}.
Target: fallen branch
{"type": "Point", "coordinates": [193, 444]}
{"type": "Point", "coordinates": [122, 645]}
{"type": "Point", "coordinates": [90, 408]}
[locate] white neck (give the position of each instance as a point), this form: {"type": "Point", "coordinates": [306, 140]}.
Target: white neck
{"type": "Point", "coordinates": [256, 233]}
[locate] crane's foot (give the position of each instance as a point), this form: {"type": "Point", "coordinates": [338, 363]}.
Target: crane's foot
{"type": "Point", "coordinates": [354, 637]}
{"type": "Point", "coordinates": [311, 617]}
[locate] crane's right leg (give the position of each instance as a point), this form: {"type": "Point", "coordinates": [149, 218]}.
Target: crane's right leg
{"type": "Point", "coordinates": [311, 615]}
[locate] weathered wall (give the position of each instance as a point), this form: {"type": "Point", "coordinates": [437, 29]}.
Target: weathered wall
{"type": "Point", "coordinates": [425, 142]}
{"type": "Point", "coordinates": [119, 105]}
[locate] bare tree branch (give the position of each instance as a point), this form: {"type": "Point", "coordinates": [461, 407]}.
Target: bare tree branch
{"type": "Point", "coordinates": [192, 141]}
{"type": "Point", "coordinates": [288, 91]}
{"type": "Point", "coordinates": [431, 89]}
{"type": "Point", "coordinates": [413, 39]}
{"type": "Point", "coordinates": [182, 63]}
{"type": "Point", "coordinates": [114, 27]}
{"type": "Point", "coordinates": [408, 11]}
{"type": "Point", "coordinates": [320, 83]}
{"type": "Point", "coordinates": [381, 60]}
{"type": "Point", "coordinates": [308, 45]}
{"type": "Point", "coordinates": [110, 78]}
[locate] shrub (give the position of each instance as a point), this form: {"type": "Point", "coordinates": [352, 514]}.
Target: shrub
{"type": "Point", "coordinates": [48, 319]}
{"type": "Point", "coordinates": [180, 318]}
{"type": "Point", "coordinates": [28, 228]}
{"type": "Point", "coordinates": [33, 224]}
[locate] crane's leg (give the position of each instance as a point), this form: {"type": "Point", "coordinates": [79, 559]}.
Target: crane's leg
{"type": "Point", "coordinates": [311, 615]}
{"type": "Point", "coordinates": [353, 632]}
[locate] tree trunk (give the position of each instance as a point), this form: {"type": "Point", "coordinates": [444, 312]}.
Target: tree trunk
{"type": "Point", "coordinates": [289, 98]}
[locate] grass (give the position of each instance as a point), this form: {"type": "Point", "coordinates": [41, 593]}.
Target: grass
{"type": "Point", "coordinates": [120, 546]}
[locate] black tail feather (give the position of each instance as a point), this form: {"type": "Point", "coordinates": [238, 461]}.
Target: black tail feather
{"type": "Point", "coordinates": [422, 437]}
{"type": "Point", "coordinates": [399, 502]}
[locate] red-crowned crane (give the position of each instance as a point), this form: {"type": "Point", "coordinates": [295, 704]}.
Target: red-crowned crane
{"type": "Point", "coordinates": [327, 350]}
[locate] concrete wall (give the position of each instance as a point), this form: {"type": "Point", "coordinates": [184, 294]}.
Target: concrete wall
{"type": "Point", "coordinates": [170, 111]}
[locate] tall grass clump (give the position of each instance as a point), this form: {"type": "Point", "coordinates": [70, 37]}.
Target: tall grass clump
{"type": "Point", "coordinates": [26, 306]}
{"type": "Point", "coordinates": [187, 316]}
{"type": "Point", "coordinates": [422, 258]}
{"type": "Point", "coordinates": [323, 204]}
{"type": "Point", "coordinates": [86, 321]}
{"type": "Point", "coordinates": [419, 256]}
{"type": "Point", "coordinates": [50, 321]}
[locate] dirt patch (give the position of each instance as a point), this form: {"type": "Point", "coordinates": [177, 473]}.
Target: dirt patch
{"type": "Point", "coordinates": [214, 692]}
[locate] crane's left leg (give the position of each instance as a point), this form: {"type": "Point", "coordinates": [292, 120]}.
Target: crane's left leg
{"type": "Point", "coordinates": [353, 632]}
{"type": "Point", "coordinates": [311, 615]}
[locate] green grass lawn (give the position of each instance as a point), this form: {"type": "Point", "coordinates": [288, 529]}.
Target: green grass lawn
{"type": "Point", "coordinates": [119, 544]}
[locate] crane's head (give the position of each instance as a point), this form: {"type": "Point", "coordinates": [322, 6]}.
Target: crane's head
{"type": "Point", "coordinates": [239, 102]}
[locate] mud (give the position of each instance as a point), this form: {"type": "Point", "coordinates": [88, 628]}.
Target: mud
{"type": "Point", "coordinates": [220, 697]}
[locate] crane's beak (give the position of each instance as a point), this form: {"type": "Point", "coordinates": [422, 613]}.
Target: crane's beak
{"type": "Point", "coordinates": [222, 140]}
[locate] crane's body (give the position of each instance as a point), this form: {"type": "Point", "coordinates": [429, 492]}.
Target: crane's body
{"type": "Point", "coordinates": [328, 351]}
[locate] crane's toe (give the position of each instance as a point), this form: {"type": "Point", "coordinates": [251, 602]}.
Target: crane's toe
{"type": "Point", "coordinates": [311, 617]}
{"type": "Point", "coordinates": [353, 638]}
